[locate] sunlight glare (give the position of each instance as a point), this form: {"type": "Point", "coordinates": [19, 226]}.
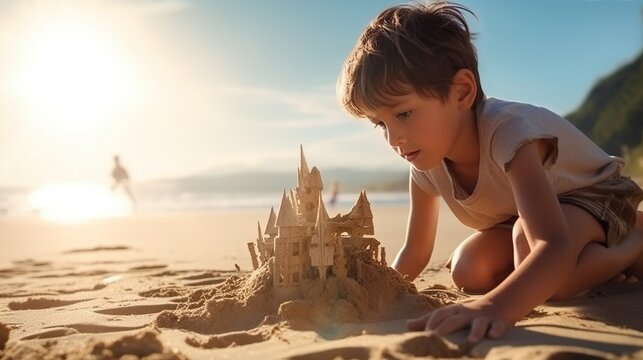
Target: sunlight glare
{"type": "Point", "coordinates": [70, 71]}
{"type": "Point", "coordinates": [77, 202]}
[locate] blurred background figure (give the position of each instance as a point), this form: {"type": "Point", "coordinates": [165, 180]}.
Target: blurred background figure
{"type": "Point", "coordinates": [334, 193]}
{"type": "Point", "coordinates": [122, 179]}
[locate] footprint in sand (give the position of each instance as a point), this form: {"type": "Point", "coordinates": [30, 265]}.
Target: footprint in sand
{"type": "Point", "coordinates": [347, 352]}
{"type": "Point", "coordinates": [207, 278]}
{"type": "Point", "coordinates": [72, 274]}
{"type": "Point", "coordinates": [98, 248]}
{"type": "Point", "coordinates": [170, 291]}
{"type": "Point", "coordinates": [41, 303]}
{"type": "Point", "coordinates": [31, 262]}
{"type": "Point", "coordinates": [205, 275]}
{"type": "Point", "coordinates": [413, 345]}
{"type": "Point", "coordinates": [169, 273]}
{"type": "Point", "coordinates": [207, 282]}
{"type": "Point", "coordinates": [73, 291]}
{"type": "Point", "coordinates": [428, 344]}
{"type": "Point", "coordinates": [51, 334]}
{"type": "Point", "coordinates": [10, 273]}
{"type": "Point", "coordinates": [23, 267]}
{"type": "Point", "coordinates": [66, 330]}
{"type": "Point", "coordinates": [147, 267]}
{"type": "Point", "coordinates": [24, 293]}
{"type": "Point", "coordinates": [96, 329]}
{"type": "Point", "coordinates": [227, 340]}
{"type": "Point", "coordinates": [137, 309]}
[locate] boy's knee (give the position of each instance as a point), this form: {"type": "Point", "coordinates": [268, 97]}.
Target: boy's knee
{"type": "Point", "coordinates": [472, 275]}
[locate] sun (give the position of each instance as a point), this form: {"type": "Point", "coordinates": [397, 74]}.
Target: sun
{"type": "Point", "coordinates": [77, 202]}
{"type": "Point", "coordinates": [71, 70]}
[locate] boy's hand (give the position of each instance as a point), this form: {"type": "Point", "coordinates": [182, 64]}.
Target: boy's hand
{"type": "Point", "coordinates": [479, 315]}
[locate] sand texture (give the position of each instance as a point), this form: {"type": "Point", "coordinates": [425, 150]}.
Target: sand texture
{"type": "Point", "coordinates": [166, 287]}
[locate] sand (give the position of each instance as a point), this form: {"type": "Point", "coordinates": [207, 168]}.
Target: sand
{"type": "Point", "coordinates": [166, 287]}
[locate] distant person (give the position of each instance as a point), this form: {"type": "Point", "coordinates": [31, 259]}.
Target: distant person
{"type": "Point", "coordinates": [552, 214]}
{"type": "Point", "coordinates": [122, 179]}
{"type": "Point", "coordinates": [334, 193]}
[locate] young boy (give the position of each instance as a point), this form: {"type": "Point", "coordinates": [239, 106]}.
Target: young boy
{"type": "Point", "coordinates": [553, 214]}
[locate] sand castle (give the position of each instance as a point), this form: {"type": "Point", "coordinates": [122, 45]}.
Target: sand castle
{"type": "Point", "coordinates": [305, 243]}
{"type": "Point", "coordinates": [311, 271]}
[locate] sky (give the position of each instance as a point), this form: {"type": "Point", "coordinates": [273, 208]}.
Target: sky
{"type": "Point", "coordinates": [182, 87]}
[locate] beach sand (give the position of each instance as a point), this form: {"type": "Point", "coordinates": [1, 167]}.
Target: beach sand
{"type": "Point", "coordinates": [156, 286]}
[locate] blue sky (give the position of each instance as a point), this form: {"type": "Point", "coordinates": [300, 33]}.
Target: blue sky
{"type": "Point", "coordinates": [192, 86]}
{"type": "Point", "coordinates": [547, 52]}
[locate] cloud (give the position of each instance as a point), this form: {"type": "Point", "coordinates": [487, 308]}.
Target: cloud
{"type": "Point", "coordinates": [312, 117]}
{"type": "Point", "coordinates": [361, 149]}
{"type": "Point", "coordinates": [156, 7]}
{"type": "Point", "coordinates": [305, 109]}
{"type": "Point", "coordinates": [304, 123]}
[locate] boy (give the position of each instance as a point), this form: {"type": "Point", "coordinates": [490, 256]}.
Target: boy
{"type": "Point", "coordinates": [553, 215]}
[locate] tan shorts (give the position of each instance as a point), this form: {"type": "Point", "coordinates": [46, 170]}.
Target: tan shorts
{"type": "Point", "coordinates": [613, 201]}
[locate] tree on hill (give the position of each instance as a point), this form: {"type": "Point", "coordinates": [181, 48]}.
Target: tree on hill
{"type": "Point", "coordinates": [612, 113]}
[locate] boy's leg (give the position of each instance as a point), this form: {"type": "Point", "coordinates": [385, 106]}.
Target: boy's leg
{"type": "Point", "coordinates": [596, 263]}
{"type": "Point", "coordinates": [482, 260]}
{"type": "Point", "coordinates": [636, 269]}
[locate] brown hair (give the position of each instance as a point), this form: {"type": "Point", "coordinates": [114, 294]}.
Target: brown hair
{"type": "Point", "coordinates": [414, 46]}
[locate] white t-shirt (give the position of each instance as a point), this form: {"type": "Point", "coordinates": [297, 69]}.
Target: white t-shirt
{"type": "Point", "coordinates": [503, 127]}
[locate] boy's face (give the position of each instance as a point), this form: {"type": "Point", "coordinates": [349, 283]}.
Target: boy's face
{"type": "Point", "coordinates": [421, 130]}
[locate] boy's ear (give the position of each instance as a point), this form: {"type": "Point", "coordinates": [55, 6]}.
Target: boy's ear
{"type": "Point", "coordinates": [464, 88]}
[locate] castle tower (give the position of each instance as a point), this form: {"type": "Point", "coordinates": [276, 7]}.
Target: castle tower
{"type": "Point", "coordinates": [295, 203]}
{"type": "Point", "coordinates": [253, 256]}
{"type": "Point", "coordinates": [271, 229]}
{"type": "Point", "coordinates": [362, 216]}
{"type": "Point", "coordinates": [303, 165]}
{"type": "Point", "coordinates": [289, 257]}
{"type": "Point", "coordinates": [266, 244]}
{"type": "Point", "coordinates": [261, 246]}
{"type": "Point", "coordinates": [340, 264]}
{"type": "Point", "coordinates": [322, 248]}
{"type": "Point", "coordinates": [309, 187]}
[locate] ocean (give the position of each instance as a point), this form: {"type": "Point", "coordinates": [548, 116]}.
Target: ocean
{"type": "Point", "coordinates": [82, 201]}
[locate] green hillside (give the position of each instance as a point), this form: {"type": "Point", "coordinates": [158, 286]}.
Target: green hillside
{"type": "Point", "coordinates": [612, 113]}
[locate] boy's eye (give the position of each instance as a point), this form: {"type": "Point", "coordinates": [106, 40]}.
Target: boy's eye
{"type": "Point", "coordinates": [380, 125]}
{"type": "Point", "coordinates": [404, 115]}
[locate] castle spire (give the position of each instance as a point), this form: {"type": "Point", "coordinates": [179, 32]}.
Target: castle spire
{"type": "Point", "coordinates": [321, 249]}
{"type": "Point", "coordinates": [303, 166]}
{"type": "Point", "coordinates": [259, 235]}
{"type": "Point", "coordinates": [286, 217]}
{"type": "Point", "coordinates": [316, 179]}
{"type": "Point", "coordinates": [271, 230]}
{"type": "Point", "coordinates": [362, 208]}
{"type": "Point", "coordinates": [293, 199]}
{"type": "Point", "coordinates": [322, 214]}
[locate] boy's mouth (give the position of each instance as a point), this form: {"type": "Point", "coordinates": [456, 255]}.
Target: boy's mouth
{"type": "Point", "coordinates": [410, 156]}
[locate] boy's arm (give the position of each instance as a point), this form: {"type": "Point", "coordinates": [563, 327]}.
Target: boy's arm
{"type": "Point", "coordinates": [420, 233]}
{"type": "Point", "coordinates": [552, 256]}
{"type": "Point", "coordinates": [539, 276]}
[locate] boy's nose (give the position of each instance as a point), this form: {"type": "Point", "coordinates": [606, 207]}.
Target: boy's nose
{"type": "Point", "coordinates": [394, 138]}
